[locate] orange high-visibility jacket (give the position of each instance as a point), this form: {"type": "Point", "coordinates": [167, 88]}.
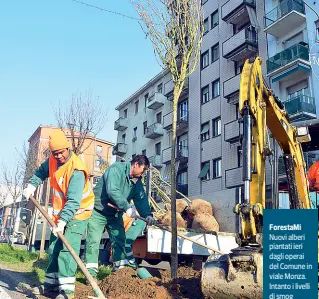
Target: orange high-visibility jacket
{"type": "Point", "coordinates": [313, 176]}
{"type": "Point", "coordinates": [59, 181]}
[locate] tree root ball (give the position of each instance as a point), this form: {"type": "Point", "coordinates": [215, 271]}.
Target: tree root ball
{"type": "Point", "coordinates": [181, 205]}
{"type": "Point", "coordinates": [166, 220]}
{"type": "Point", "coordinates": [205, 222]}
{"type": "Point", "coordinates": [200, 206]}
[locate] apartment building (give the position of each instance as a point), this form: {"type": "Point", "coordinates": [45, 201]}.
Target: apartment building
{"type": "Point", "coordinates": [144, 127]}
{"type": "Point", "coordinates": [235, 30]}
{"type": "Point", "coordinates": [292, 32]}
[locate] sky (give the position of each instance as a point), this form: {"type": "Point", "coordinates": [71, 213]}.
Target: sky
{"type": "Point", "coordinates": [52, 49]}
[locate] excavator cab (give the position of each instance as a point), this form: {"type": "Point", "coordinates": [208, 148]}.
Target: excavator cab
{"type": "Point", "coordinates": [239, 273]}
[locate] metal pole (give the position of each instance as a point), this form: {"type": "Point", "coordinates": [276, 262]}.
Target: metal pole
{"type": "Point", "coordinates": [44, 227]}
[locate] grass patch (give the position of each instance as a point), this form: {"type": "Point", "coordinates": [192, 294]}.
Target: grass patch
{"type": "Point", "coordinates": [14, 255]}
{"type": "Point", "coordinates": [103, 272]}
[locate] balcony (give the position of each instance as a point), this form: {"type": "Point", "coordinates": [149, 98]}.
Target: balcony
{"type": "Point", "coordinates": [293, 61]}
{"type": "Point", "coordinates": [181, 125]}
{"type": "Point", "coordinates": [155, 101]}
{"type": "Point", "coordinates": [233, 130]}
{"type": "Point", "coordinates": [166, 155]}
{"type": "Point", "coordinates": [154, 131]}
{"type": "Point", "coordinates": [231, 87]}
{"type": "Point", "coordinates": [156, 161]}
{"type": "Point", "coordinates": [241, 45]}
{"type": "Point", "coordinates": [169, 87]}
{"type": "Point", "coordinates": [120, 124]}
{"type": "Point", "coordinates": [287, 15]}
{"type": "Point", "coordinates": [301, 107]}
{"type": "Point", "coordinates": [235, 11]}
{"type": "Point", "coordinates": [233, 177]}
{"type": "Point", "coordinates": [120, 149]}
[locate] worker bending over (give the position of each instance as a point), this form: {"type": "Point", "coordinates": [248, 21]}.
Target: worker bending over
{"type": "Point", "coordinates": [313, 176]}
{"type": "Point", "coordinates": [120, 184]}
{"type": "Point", "coordinates": [73, 202]}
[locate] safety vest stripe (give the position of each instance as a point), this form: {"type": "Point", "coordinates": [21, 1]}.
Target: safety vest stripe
{"type": "Point", "coordinates": [121, 263]}
{"type": "Point", "coordinates": [91, 265]}
{"type": "Point", "coordinates": [67, 287]}
{"type": "Point", "coordinates": [87, 193]}
{"type": "Point", "coordinates": [51, 281]}
{"type": "Point", "coordinates": [57, 193]}
{"type": "Point", "coordinates": [64, 280]}
{"type": "Point", "coordinates": [129, 253]}
{"type": "Point", "coordinates": [89, 208]}
{"type": "Point", "coordinates": [52, 275]}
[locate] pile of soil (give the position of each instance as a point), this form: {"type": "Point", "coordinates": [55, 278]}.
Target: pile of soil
{"type": "Point", "coordinates": [125, 284]}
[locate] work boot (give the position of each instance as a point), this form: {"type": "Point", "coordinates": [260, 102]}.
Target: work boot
{"type": "Point", "coordinates": [50, 291]}
{"type": "Point", "coordinates": [64, 295]}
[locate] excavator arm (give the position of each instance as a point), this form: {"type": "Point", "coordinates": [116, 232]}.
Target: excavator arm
{"type": "Point", "coordinates": [261, 109]}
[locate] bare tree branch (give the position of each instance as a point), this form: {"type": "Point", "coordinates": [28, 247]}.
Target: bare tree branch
{"type": "Point", "coordinates": [83, 117]}
{"type": "Point", "coordinates": [175, 28]}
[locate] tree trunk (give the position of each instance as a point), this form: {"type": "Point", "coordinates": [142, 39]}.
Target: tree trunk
{"type": "Point", "coordinates": [13, 221]}
{"type": "Point", "coordinates": [174, 256]}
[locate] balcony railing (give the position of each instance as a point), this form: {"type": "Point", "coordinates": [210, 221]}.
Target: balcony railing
{"type": "Point", "coordinates": [234, 177]}
{"type": "Point", "coordinates": [182, 120]}
{"type": "Point", "coordinates": [156, 161]}
{"type": "Point", "coordinates": [121, 124]}
{"type": "Point", "coordinates": [155, 101]}
{"type": "Point", "coordinates": [301, 105]}
{"type": "Point", "coordinates": [291, 54]}
{"type": "Point", "coordinates": [169, 87]}
{"type": "Point", "coordinates": [284, 8]}
{"type": "Point", "coordinates": [231, 86]}
{"type": "Point", "coordinates": [233, 131]}
{"type": "Point", "coordinates": [120, 149]}
{"type": "Point", "coordinates": [154, 131]}
{"type": "Point", "coordinates": [233, 10]}
{"type": "Point", "coordinates": [181, 154]}
{"type": "Point", "coordinates": [241, 45]}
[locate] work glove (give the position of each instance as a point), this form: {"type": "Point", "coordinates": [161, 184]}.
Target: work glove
{"type": "Point", "coordinates": [59, 227]}
{"type": "Point", "coordinates": [150, 220]}
{"type": "Point", "coordinates": [28, 191]}
{"type": "Point", "coordinates": [131, 212]}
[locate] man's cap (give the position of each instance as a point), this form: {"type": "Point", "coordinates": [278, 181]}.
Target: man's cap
{"type": "Point", "coordinates": [58, 141]}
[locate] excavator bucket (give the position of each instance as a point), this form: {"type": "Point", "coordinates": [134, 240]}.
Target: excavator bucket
{"type": "Point", "coordinates": [234, 275]}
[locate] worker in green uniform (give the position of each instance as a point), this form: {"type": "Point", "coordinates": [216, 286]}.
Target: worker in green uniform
{"type": "Point", "coordinates": [120, 184]}
{"type": "Point", "coordinates": [72, 202]}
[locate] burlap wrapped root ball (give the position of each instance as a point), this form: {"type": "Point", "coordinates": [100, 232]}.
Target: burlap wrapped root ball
{"type": "Point", "coordinates": [181, 205]}
{"type": "Point", "coordinates": [166, 220]}
{"type": "Point", "coordinates": [200, 206]}
{"type": "Point", "coordinates": [205, 222]}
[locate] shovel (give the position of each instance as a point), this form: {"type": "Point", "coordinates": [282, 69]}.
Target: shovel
{"type": "Point", "coordinates": [167, 229]}
{"type": "Point", "coordinates": [88, 276]}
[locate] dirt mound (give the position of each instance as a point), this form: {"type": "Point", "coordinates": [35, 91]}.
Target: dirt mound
{"type": "Point", "coordinates": [200, 206]}
{"type": "Point", "coordinates": [125, 284]}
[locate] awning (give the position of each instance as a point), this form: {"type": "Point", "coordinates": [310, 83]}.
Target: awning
{"type": "Point", "coordinates": [205, 129]}
{"type": "Point", "coordinates": [285, 73]}
{"type": "Point", "coordinates": [204, 171]}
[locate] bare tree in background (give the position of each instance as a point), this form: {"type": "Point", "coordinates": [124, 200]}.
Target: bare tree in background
{"type": "Point", "coordinates": [175, 28]}
{"type": "Point", "coordinates": [13, 181]}
{"type": "Point", "coordinates": [83, 117]}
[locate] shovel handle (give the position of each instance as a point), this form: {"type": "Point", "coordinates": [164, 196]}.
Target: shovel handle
{"type": "Point", "coordinates": [87, 274]}
{"type": "Point", "coordinates": [167, 229]}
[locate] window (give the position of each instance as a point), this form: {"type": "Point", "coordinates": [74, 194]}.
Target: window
{"type": "Point", "coordinates": [97, 164]}
{"type": "Point", "coordinates": [136, 107]}
{"type": "Point", "coordinates": [237, 111]}
{"type": "Point", "coordinates": [134, 133]}
{"type": "Point", "coordinates": [182, 178]}
{"type": "Point", "coordinates": [99, 149]}
{"type": "Point", "coordinates": [125, 113]}
{"type": "Point", "coordinates": [205, 171]}
{"type": "Point", "coordinates": [214, 19]}
{"type": "Point", "coordinates": [206, 26]}
{"type": "Point", "coordinates": [145, 101]}
{"type": "Point", "coordinates": [183, 110]}
{"type": "Point", "coordinates": [144, 152]}
{"type": "Point", "coordinates": [123, 138]}
{"type": "Point", "coordinates": [182, 142]}
{"type": "Point", "coordinates": [217, 168]}
{"type": "Point", "coordinates": [205, 94]}
{"type": "Point", "coordinates": [239, 66]}
{"type": "Point", "coordinates": [204, 132]}
{"type": "Point", "coordinates": [239, 156]}
{"type": "Point", "coordinates": [144, 127]}
{"type": "Point", "coordinates": [160, 88]}
{"type": "Point", "coordinates": [205, 59]}
{"type": "Point", "coordinates": [215, 52]}
{"type": "Point", "coordinates": [216, 89]}
{"type": "Point", "coordinates": [159, 117]}
{"type": "Point", "coordinates": [217, 126]}
{"type": "Point", "coordinates": [158, 148]}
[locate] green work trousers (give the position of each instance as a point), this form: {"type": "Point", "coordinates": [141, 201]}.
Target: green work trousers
{"type": "Point", "coordinates": [115, 229]}
{"type": "Point", "coordinates": [60, 273]}
{"type": "Point", "coordinates": [131, 234]}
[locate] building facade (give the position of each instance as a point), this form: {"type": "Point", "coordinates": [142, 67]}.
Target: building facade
{"type": "Point", "coordinates": [235, 30]}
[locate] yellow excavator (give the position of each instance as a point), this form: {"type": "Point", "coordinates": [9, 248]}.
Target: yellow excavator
{"type": "Point", "coordinates": [239, 274]}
